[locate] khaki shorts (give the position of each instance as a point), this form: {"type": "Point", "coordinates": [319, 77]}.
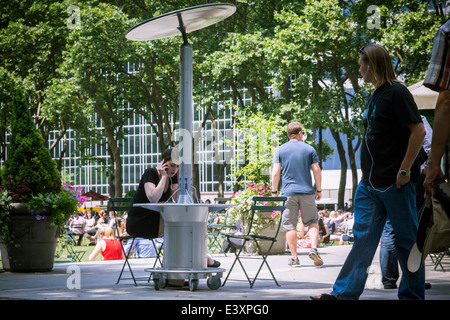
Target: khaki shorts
{"type": "Point", "coordinates": [306, 203]}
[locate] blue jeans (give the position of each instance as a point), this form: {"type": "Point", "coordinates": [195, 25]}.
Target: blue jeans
{"type": "Point", "coordinates": [372, 208]}
{"type": "Point", "coordinates": [388, 256]}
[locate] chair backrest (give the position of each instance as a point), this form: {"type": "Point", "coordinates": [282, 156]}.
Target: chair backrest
{"type": "Point", "coordinates": [272, 207]}
{"type": "Point", "coordinates": [119, 204]}
{"type": "Point", "coordinates": [222, 200]}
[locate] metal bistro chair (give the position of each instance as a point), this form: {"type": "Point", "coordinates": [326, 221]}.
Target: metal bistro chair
{"type": "Point", "coordinates": [75, 255]}
{"type": "Point", "coordinates": [216, 231]}
{"type": "Point", "coordinates": [124, 204]}
{"type": "Point", "coordinates": [436, 258]}
{"type": "Point", "coordinates": [127, 256]}
{"type": "Point", "coordinates": [258, 238]}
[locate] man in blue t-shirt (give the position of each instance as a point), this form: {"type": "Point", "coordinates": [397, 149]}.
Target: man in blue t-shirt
{"type": "Point", "coordinates": [295, 160]}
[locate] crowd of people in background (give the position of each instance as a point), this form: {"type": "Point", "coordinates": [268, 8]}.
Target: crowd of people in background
{"type": "Point", "coordinates": [86, 224]}
{"type": "Point", "coordinates": [104, 231]}
{"type": "Point", "coordinates": [335, 228]}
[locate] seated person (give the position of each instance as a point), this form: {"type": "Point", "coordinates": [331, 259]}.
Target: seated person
{"type": "Point", "coordinates": [157, 185]}
{"type": "Point", "coordinates": [76, 227]}
{"type": "Point", "coordinates": [108, 245]}
{"type": "Point", "coordinates": [143, 248]}
{"type": "Point", "coordinates": [90, 231]}
{"type": "Point", "coordinates": [115, 223]}
{"type": "Point", "coordinates": [324, 234]}
{"type": "Point", "coordinates": [347, 228]}
{"type": "Point", "coordinates": [102, 220]}
{"type": "Point", "coordinates": [333, 224]}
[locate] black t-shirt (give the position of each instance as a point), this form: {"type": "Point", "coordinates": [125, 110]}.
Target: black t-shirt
{"type": "Point", "coordinates": [389, 111]}
{"type": "Point", "coordinates": [143, 222]}
{"type": "Point", "coordinates": [151, 175]}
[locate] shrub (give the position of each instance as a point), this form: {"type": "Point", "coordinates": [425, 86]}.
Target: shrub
{"type": "Point", "coordinates": [29, 168]}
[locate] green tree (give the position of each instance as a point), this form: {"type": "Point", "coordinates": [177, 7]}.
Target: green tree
{"type": "Point", "coordinates": [319, 48]}
{"type": "Point", "coordinates": [32, 37]}
{"type": "Point", "coordinates": [94, 65]}
{"type": "Point", "coordinates": [259, 135]}
{"type": "Point", "coordinates": [29, 169]}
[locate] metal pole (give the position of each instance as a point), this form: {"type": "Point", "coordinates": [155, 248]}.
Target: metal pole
{"type": "Point", "coordinates": [186, 119]}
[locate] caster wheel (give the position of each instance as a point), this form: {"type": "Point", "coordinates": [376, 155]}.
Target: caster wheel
{"type": "Point", "coordinates": [193, 284]}
{"type": "Point", "coordinates": [163, 282]}
{"type": "Point", "coordinates": [214, 282]}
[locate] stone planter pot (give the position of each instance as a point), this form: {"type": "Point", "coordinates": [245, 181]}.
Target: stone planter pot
{"type": "Point", "coordinates": [269, 230]}
{"type": "Point", "coordinates": [34, 243]}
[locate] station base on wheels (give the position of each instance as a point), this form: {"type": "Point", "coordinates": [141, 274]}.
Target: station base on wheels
{"type": "Point", "coordinates": [161, 277]}
{"type": "Point", "coordinates": [185, 245]}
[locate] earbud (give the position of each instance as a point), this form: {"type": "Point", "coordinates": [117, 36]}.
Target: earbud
{"type": "Point", "coordinates": [366, 72]}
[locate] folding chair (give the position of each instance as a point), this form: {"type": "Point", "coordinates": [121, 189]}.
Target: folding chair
{"type": "Point", "coordinates": [216, 235]}
{"type": "Point", "coordinates": [75, 255]}
{"type": "Point", "coordinates": [120, 205]}
{"type": "Point", "coordinates": [256, 239]}
{"type": "Point", "coordinates": [214, 232]}
{"type": "Point", "coordinates": [436, 258]}
{"type": "Point", "coordinates": [127, 256]}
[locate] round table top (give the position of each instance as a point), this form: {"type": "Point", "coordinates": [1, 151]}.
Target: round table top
{"type": "Point", "coordinates": [193, 18]}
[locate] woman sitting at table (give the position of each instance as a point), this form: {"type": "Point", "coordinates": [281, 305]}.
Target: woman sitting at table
{"type": "Point", "coordinates": [157, 185]}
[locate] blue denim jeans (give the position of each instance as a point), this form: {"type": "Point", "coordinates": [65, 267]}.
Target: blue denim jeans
{"type": "Point", "coordinates": [372, 208]}
{"type": "Point", "coordinates": [388, 256]}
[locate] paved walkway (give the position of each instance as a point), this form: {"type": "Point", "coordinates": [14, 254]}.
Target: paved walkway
{"type": "Point", "coordinates": [97, 281]}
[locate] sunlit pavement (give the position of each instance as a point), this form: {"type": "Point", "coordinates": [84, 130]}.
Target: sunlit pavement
{"type": "Point", "coordinates": [97, 281]}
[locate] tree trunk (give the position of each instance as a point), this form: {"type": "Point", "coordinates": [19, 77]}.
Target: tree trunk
{"type": "Point", "coordinates": [342, 158]}
{"type": "Point", "coordinates": [116, 161]}
{"type": "Point", "coordinates": [353, 166]}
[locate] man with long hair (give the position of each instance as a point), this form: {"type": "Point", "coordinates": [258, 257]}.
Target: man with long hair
{"type": "Point", "coordinates": [393, 136]}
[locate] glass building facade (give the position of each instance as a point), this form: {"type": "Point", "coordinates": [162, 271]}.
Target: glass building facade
{"type": "Point", "coordinates": [139, 151]}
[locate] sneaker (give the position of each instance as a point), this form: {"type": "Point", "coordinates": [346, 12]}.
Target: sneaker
{"type": "Point", "coordinates": [294, 263]}
{"type": "Point", "coordinates": [314, 255]}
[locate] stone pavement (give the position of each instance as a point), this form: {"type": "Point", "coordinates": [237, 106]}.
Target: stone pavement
{"type": "Point", "coordinates": [97, 281]}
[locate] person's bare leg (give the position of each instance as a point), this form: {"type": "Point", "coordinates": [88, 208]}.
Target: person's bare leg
{"type": "Point", "coordinates": [314, 235]}
{"type": "Point", "coordinates": [161, 227]}
{"type": "Point", "coordinates": [313, 231]}
{"type": "Point", "coordinates": [291, 238]}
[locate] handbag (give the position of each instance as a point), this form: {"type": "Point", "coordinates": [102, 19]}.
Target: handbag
{"type": "Point", "coordinates": [441, 216]}
{"type": "Point", "coordinates": [433, 235]}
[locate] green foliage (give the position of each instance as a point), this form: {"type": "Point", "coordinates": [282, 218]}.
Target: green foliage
{"type": "Point", "coordinates": [259, 136]}
{"type": "Point", "coordinates": [5, 209]}
{"type": "Point", "coordinates": [242, 213]}
{"type": "Point", "coordinates": [59, 206]}
{"type": "Point", "coordinates": [29, 168]}
{"type": "Point", "coordinates": [68, 71]}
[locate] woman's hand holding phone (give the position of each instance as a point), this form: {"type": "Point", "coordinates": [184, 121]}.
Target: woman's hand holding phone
{"type": "Point", "coordinates": [162, 167]}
